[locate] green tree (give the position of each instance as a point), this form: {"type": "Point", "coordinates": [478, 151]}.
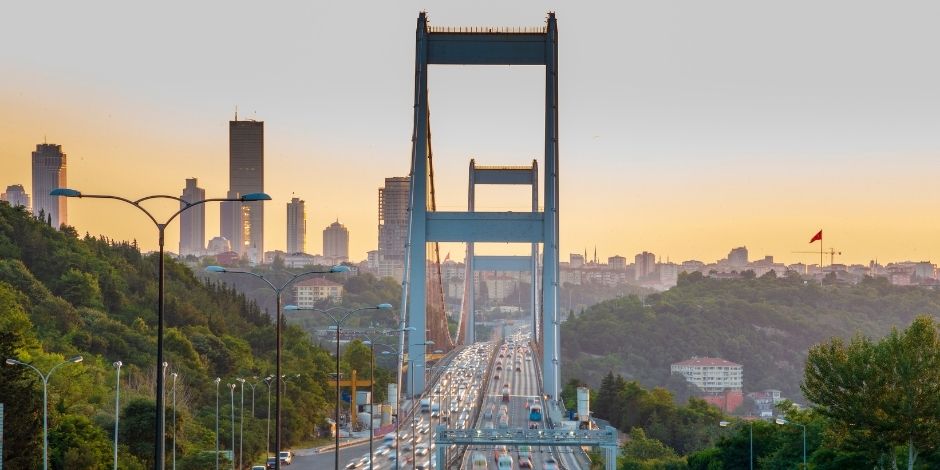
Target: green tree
{"type": "Point", "coordinates": [80, 289]}
{"type": "Point", "coordinates": [888, 391]}
{"type": "Point", "coordinates": [640, 447]}
{"type": "Point", "coordinates": [77, 443]}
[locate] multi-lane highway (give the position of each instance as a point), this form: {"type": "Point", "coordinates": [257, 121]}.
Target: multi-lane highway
{"type": "Point", "coordinates": [484, 385]}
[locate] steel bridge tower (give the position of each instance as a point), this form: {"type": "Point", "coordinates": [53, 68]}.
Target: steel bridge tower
{"type": "Point", "coordinates": [483, 46]}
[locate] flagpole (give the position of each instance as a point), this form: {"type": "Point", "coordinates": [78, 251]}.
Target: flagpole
{"type": "Point", "coordinates": [821, 267]}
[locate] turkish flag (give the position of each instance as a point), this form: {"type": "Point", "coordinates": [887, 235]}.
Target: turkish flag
{"type": "Point", "coordinates": [818, 236]}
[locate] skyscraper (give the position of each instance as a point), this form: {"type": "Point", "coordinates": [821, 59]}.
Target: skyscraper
{"type": "Point", "coordinates": [193, 221]}
{"type": "Point", "coordinates": [336, 242]}
{"type": "Point", "coordinates": [644, 264]}
{"type": "Point", "coordinates": [737, 257]}
{"type": "Point", "coordinates": [16, 196]}
{"type": "Point", "coordinates": [243, 223]}
{"type": "Point", "coordinates": [296, 226]}
{"type": "Point", "coordinates": [49, 172]}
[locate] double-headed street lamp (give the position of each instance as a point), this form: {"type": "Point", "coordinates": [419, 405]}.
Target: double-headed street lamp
{"type": "Point", "coordinates": [45, 399]}
{"type": "Point", "coordinates": [393, 350]}
{"type": "Point", "coordinates": [277, 374]}
{"type": "Point", "coordinates": [160, 425]}
{"type": "Point", "coordinates": [338, 321]}
{"type": "Point", "coordinates": [217, 382]}
{"type": "Point", "coordinates": [782, 421]}
{"type": "Point", "coordinates": [232, 388]}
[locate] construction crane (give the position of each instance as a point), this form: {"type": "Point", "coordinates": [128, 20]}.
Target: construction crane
{"type": "Point", "coordinates": [832, 255]}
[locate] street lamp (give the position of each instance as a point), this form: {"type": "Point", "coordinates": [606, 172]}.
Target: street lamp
{"type": "Point", "coordinates": [396, 351]}
{"type": "Point", "coordinates": [782, 421]}
{"type": "Point", "coordinates": [241, 425]}
{"type": "Point", "coordinates": [338, 322]}
{"type": "Point", "coordinates": [217, 381]}
{"type": "Point", "coordinates": [267, 440]}
{"type": "Point", "coordinates": [45, 397]}
{"type": "Point", "coordinates": [277, 372]}
{"type": "Point", "coordinates": [371, 342]}
{"type": "Point", "coordinates": [117, 408]}
{"type": "Point", "coordinates": [174, 375]}
{"type": "Point", "coordinates": [232, 388]}
{"type": "Point", "coordinates": [160, 425]}
{"type": "Point", "coordinates": [725, 424]}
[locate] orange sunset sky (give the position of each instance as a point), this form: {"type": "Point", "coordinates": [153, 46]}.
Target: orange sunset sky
{"type": "Point", "coordinates": [686, 128]}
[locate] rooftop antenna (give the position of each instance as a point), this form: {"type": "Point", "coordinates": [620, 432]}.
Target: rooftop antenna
{"type": "Point", "coordinates": [236, 112]}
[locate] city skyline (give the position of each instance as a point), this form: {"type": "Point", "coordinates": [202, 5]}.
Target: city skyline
{"type": "Point", "coordinates": [759, 142]}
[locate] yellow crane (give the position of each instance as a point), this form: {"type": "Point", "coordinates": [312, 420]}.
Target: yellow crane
{"type": "Point", "coordinates": [832, 255]}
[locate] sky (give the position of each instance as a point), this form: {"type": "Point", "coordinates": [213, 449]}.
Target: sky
{"type": "Point", "coordinates": [686, 128]}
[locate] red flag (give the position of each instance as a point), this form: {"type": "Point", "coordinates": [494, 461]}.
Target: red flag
{"type": "Point", "coordinates": [818, 236]}
{"type": "Point", "coordinates": [447, 257]}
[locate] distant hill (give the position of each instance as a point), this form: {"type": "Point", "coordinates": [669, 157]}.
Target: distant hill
{"type": "Point", "coordinates": [765, 324]}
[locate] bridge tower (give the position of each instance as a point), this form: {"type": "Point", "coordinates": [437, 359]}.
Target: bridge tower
{"type": "Point", "coordinates": [502, 175]}
{"type": "Point", "coordinates": [483, 46]}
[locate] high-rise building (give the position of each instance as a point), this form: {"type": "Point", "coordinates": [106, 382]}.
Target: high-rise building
{"type": "Point", "coordinates": [336, 242]}
{"type": "Point", "coordinates": [243, 223]}
{"type": "Point", "coordinates": [49, 172]}
{"type": "Point", "coordinates": [393, 218]}
{"type": "Point", "coordinates": [16, 196]}
{"type": "Point", "coordinates": [644, 264]}
{"type": "Point", "coordinates": [193, 221]}
{"type": "Point", "coordinates": [617, 262]}
{"type": "Point", "coordinates": [296, 226]}
{"type": "Point", "coordinates": [738, 257]}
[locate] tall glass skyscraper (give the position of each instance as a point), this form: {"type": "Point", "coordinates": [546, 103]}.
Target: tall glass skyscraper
{"type": "Point", "coordinates": [296, 226]}
{"type": "Point", "coordinates": [243, 223]}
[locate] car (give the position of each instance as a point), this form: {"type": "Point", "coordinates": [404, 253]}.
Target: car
{"type": "Point", "coordinates": [287, 457]}
{"type": "Point", "coordinates": [550, 464]}
{"type": "Point", "coordinates": [518, 369]}
{"type": "Point", "coordinates": [525, 462]}
{"type": "Point", "coordinates": [421, 450]}
{"type": "Point", "coordinates": [272, 463]}
{"type": "Point", "coordinates": [257, 467]}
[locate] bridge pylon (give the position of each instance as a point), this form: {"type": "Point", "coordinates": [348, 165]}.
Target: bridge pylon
{"type": "Point", "coordinates": [483, 46]}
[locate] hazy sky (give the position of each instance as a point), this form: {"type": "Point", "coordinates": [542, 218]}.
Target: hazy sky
{"type": "Point", "coordinates": [687, 128]}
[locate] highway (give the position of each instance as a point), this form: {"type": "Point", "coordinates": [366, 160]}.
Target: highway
{"type": "Point", "coordinates": [476, 374]}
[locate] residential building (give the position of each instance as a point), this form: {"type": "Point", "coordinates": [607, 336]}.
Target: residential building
{"type": "Point", "coordinates": [336, 242]}
{"type": "Point", "coordinates": [310, 291]}
{"type": "Point", "coordinates": [644, 264]}
{"type": "Point", "coordinates": [719, 380]}
{"type": "Point", "coordinates": [50, 172]}
{"type": "Point", "coordinates": [16, 196]}
{"type": "Point", "coordinates": [393, 226]}
{"type": "Point", "coordinates": [575, 260]}
{"type": "Point", "coordinates": [765, 401]}
{"type": "Point", "coordinates": [218, 245]}
{"type": "Point", "coordinates": [193, 220]}
{"type": "Point", "coordinates": [296, 226]}
{"type": "Point", "coordinates": [737, 258]}
{"type": "Point", "coordinates": [617, 263]}
{"type": "Point", "coordinates": [243, 223]}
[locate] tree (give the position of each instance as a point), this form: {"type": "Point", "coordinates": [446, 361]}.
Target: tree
{"type": "Point", "coordinates": [887, 392]}
{"type": "Point", "coordinates": [77, 443]}
{"type": "Point", "coordinates": [80, 289]}
{"type": "Point", "coordinates": [640, 447]}
{"type": "Point", "coordinates": [18, 391]}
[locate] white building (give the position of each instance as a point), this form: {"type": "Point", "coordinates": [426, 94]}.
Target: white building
{"type": "Point", "coordinates": [16, 196]}
{"type": "Point", "coordinates": [711, 374]}
{"type": "Point", "coordinates": [311, 291]}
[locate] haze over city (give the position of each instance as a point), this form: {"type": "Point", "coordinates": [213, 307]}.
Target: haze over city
{"type": "Point", "coordinates": [686, 129]}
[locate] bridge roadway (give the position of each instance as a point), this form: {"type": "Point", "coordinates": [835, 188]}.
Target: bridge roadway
{"type": "Point", "coordinates": [523, 387]}
{"type": "Point", "coordinates": [454, 394]}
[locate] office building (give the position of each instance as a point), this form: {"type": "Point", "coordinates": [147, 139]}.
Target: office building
{"type": "Point", "coordinates": [243, 223]}
{"type": "Point", "coordinates": [16, 196]}
{"type": "Point", "coordinates": [296, 226]}
{"type": "Point", "coordinates": [336, 242]}
{"type": "Point", "coordinates": [193, 221]}
{"type": "Point", "coordinates": [49, 172]}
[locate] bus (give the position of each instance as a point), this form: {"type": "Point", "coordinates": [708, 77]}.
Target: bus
{"type": "Point", "coordinates": [535, 413]}
{"type": "Point", "coordinates": [478, 461]}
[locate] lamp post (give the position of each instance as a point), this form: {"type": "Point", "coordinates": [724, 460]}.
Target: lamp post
{"type": "Point", "coordinates": [278, 321]}
{"type": "Point", "coordinates": [338, 321]}
{"type": "Point", "coordinates": [370, 340]}
{"type": "Point", "coordinates": [412, 367]}
{"type": "Point", "coordinates": [782, 421]}
{"type": "Point", "coordinates": [725, 424]}
{"type": "Point", "coordinates": [174, 375]}
{"type": "Point", "coordinates": [396, 351]}
{"type": "Point", "coordinates": [241, 426]}
{"type": "Point", "coordinates": [217, 381]}
{"type": "Point", "coordinates": [45, 400]}
{"type": "Point", "coordinates": [267, 440]}
{"type": "Point", "coordinates": [117, 407]}
{"type": "Point", "coordinates": [232, 388]}
{"type": "Point", "coordinates": [159, 428]}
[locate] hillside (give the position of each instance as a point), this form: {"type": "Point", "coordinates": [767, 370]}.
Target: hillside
{"type": "Point", "coordinates": [765, 324]}
{"type": "Point", "coordinates": [62, 295]}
